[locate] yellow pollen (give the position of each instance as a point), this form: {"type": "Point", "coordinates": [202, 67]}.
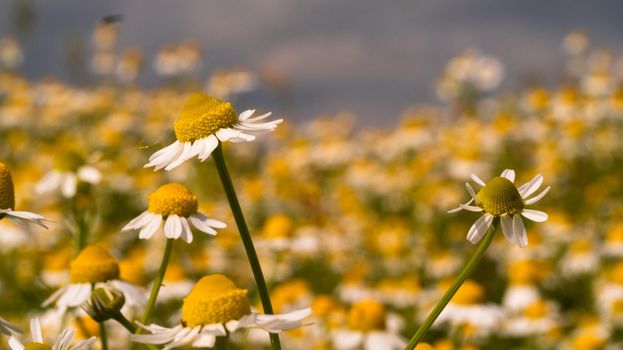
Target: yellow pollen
{"type": "Point", "coordinates": [93, 265]}
{"type": "Point", "coordinates": [469, 293]}
{"type": "Point", "coordinates": [37, 346]}
{"type": "Point", "coordinates": [500, 196]}
{"type": "Point", "coordinates": [367, 315]}
{"type": "Point", "coordinates": [7, 192]}
{"type": "Point", "coordinates": [173, 199]}
{"type": "Point", "coordinates": [215, 299]}
{"type": "Point", "coordinates": [202, 116]}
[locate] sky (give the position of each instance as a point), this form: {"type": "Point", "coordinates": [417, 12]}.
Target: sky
{"type": "Point", "coordinates": [373, 58]}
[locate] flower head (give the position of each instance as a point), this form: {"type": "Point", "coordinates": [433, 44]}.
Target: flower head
{"type": "Point", "coordinates": [93, 267]}
{"type": "Point", "coordinates": [205, 121]}
{"type": "Point", "coordinates": [214, 307]}
{"type": "Point", "coordinates": [500, 198]}
{"type": "Point", "coordinates": [7, 202]}
{"type": "Point", "coordinates": [63, 341]}
{"type": "Point", "coordinates": [176, 205]}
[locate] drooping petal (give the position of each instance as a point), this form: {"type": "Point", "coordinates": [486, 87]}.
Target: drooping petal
{"type": "Point", "coordinates": [205, 224]}
{"type": "Point", "coordinates": [209, 144]}
{"type": "Point", "coordinates": [506, 221]}
{"type": "Point", "coordinates": [479, 228]}
{"type": "Point", "coordinates": [89, 174]}
{"type": "Point", "coordinates": [137, 222]}
{"type": "Point", "coordinates": [69, 186]}
{"type": "Point", "coordinates": [471, 191]}
{"type": "Point", "coordinates": [173, 227]}
{"type": "Point", "coordinates": [15, 344]}
{"type": "Point", "coordinates": [534, 215]}
{"type": "Point", "coordinates": [519, 230]}
{"type": "Point", "coordinates": [150, 227]}
{"type": "Point", "coordinates": [187, 234]}
{"type": "Point", "coordinates": [184, 156]}
{"type": "Point", "coordinates": [35, 330]}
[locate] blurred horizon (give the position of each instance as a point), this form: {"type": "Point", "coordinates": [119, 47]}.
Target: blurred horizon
{"type": "Point", "coordinates": [366, 58]}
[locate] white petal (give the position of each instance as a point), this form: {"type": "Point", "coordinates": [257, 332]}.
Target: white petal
{"type": "Point", "coordinates": [454, 210]}
{"type": "Point", "coordinates": [534, 215]}
{"type": "Point", "coordinates": [174, 146]}
{"type": "Point", "coordinates": [50, 182]}
{"type": "Point", "coordinates": [519, 231]}
{"type": "Point", "coordinates": [506, 222]}
{"type": "Point", "coordinates": [173, 227]}
{"type": "Point", "coordinates": [347, 340]}
{"type": "Point", "coordinates": [537, 197]}
{"type": "Point", "coordinates": [172, 153]}
{"type": "Point", "coordinates": [479, 228]}
{"type": "Point", "coordinates": [35, 330]}
{"type": "Point", "coordinates": [69, 186]}
{"type": "Point", "coordinates": [246, 114]}
{"type": "Point", "coordinates": [477, 180]}
{"type": "Point", "coordinates": [204, 341]}
{"type": "Point", "coordinates": [509, 174]}
{"type": "Point", "coordinates": [209, 144]}
{"type": "Point", "coordinates": [202, 223]}
{"type": "Point", "coordinates": [137, 222]}
{"type": "Point", "coordinates": [89, 174]}
{"type": "Point", "coordinates": [471, 191]}
{"type": "Point", "coordinates": [15, 344]}
{"type": "Point", "coordinates": [83, 343]}
{"type": "Point", "coordinates": [187, 234]}
{"type": "Point", "coordinates": [471, 208]}
{"type": "Point", "coordinates": [150, 227]}
{"type": "Point", "coordinates": [184, 156]}
{"type": "Point", "coordinates": [529, 187]}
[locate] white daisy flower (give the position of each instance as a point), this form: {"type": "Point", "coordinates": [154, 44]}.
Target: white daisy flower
{"type": "Point", "coordinates": [66, 181]}
{"type": "Point", "coordinates": [7, 202]}
{"type": "Point", "coordinates": [204, 122]}
{"type": "Point", "coordinates": [214, 308]}
{"type": "Point", "coordinates": [500, 198]}
{"type": "Point", "coordinates": [92, 268]}
{"type": "Point", "coordinates": [8, 328]}
{"type": "Point", "coordinates": [63, 341]}
{"type": "Point", "coordinates": [176, 206]}
{"type": "Point", "coordinates": [369, 328]}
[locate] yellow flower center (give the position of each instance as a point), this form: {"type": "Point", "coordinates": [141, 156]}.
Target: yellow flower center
{"type": "Point", "coordinates": [215, 299]}
{"type": "Point", "coordinates": [173, 199]}
{"type": "Point", "coordinates": [367, 315]}
{"type": "Point", "coordinates": [536, 310]}
{"type": "Point", "coordinates": [7, 193]}
{"type": "Point", "coordinates": [588, 341]}
{"type": "Point", "coordinates": [202, 116]}
{"type": "Point", "coordinates": [469, 293]}
{"type": "Point", "coordinates": [500, 196]}
{"type": "Point", "coordinates": [37, 346]}
{"type": "Point", "coordinates": [93, 265]}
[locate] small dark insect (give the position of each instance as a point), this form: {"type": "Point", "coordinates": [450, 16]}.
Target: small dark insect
{"type": "Point", "coordinates": [111, 19]}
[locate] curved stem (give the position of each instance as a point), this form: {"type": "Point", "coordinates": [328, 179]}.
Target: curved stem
{"type": "Point", "coordinates": [149, 309]}
{"type": "Point", "coordinates": [466, 272]}
{"type": "Point", "coordinates": [245, 236]}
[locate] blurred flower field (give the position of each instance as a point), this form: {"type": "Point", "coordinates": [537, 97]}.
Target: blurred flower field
{"type": "Point", "coordinates": [347, 219]}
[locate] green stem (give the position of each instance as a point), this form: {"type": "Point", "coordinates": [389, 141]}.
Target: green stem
{"type": "Point", "coordinates": [130, 327]}
{"type": "Point", "coordinates": [222, 343]}
{"type": "Point", "coordinates": [467, 271]}
{"type": "Point", "coordinates": [103, 337]}
{"type": "Point", "coordinates": [245, 236]}
{"type": "Point", "coordinates": [157, 284]}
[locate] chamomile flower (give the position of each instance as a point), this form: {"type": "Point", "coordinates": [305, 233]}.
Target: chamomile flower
{"type": "Point", "coordinates": [500, 198]}
{"type": "Point", "coordinates": [369, 328]}
{"type": "Point", "coordinates": [91, 268]}
{"type": "Point", "coordinates": [204, 122]}
{"type": "Point", "coordinates": [176, 206]}
{"type": "Point", "coordinates": [7, 202]}
{"type": "Point", "coordinates": [63, 341]}
{"type": "Point", "coordinates": [68, 170]}
{"type": "Point", "coordinates": [213, 308]}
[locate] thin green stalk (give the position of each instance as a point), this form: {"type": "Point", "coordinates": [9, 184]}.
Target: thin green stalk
{"type": "Point", "coordinates": [222, 343]}
{"type": "Point", "coordinates": [246, 237]}
{"type": "Point", "coordinates": [466, 272]}
{"type": "Point", "coordinates": [149, 309]}
{"type": "Point", "coordinates": [103, 337]}
{"type": "Point", "coordinates": [130, 327]}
